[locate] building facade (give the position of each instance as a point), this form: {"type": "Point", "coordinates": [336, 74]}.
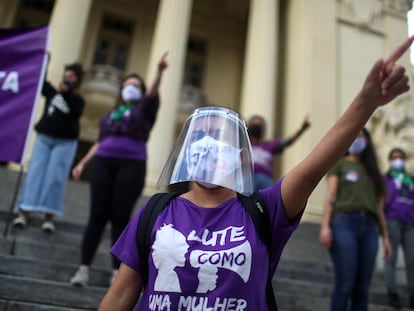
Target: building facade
{"type": "Point", "coordinates": [282, 59]}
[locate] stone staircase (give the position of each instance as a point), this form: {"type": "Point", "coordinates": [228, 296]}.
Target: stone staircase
{"type": "Point", "coordinates": [303, 281]}
{"type": "Point", "coordinates": [35, 266]}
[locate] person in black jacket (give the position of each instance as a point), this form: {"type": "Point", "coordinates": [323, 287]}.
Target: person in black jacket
{"type": "Point", "coordinates": [53, 151]}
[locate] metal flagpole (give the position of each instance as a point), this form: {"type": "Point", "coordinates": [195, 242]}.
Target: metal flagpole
{"type": "Point", "coordinates": [13, 203]}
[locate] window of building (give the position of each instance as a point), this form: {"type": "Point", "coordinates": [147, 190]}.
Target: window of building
{"type": "Point", "coordinates": [113, 42]}
{"type": "Point", "coordinates": [33, 13]}
{"type": "Point", "coordinates": [195, 62]}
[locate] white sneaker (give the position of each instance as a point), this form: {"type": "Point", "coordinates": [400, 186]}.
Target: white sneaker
{"type": "Point", "coordinates": [48, 226]}
{"type": "Point", "coordinates": [80, 278]}
{"type": "Point", "coordinates": [20, 221]}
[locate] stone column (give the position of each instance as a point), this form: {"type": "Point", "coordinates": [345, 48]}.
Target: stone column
{"type": "Point", "coordinates": [259, 76]}
{"type": "Point", "coordinates": [310, 84]}
{"type": "Point", "coordinates": [68, 26]}
{"type": "Point", "coordinates": [171, 34]}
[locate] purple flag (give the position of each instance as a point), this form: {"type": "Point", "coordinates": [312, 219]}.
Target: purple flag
{"type": "Point", "coordinates": [23, 57]}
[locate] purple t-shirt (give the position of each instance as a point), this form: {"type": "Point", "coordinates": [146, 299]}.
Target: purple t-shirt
{"type": "Point", "coordinates": [123, 147]}
{"type": "Point", "coordinates": [263, 155]}
{"type": "Point", "coordinates": [400, 201]}
{"type": "Point", "coordinates": [126, 138]}
{"type": "Point", "coordinates": [207, 258]}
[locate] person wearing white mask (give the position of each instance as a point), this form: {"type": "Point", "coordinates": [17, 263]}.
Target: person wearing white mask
{"type": "Point", "coordinates": [119, 165]}
{"type": "Point", "coordinates": [353, 216]}
{"type": "Point", "coordinates": [399, 212]}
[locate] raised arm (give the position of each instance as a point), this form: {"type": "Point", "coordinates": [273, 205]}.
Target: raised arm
{"type": "Point", "coordinates": [305, 125]}
{"type": "Point", "coordinates": [384, 82]}
{"type": "Point", "coordinates": [162, 65]}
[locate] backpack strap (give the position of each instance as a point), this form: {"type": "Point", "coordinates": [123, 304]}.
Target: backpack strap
{"type": "Point", "coordinates": [255, 207]}
{"type": "Point", "coordinates": [155, 205]}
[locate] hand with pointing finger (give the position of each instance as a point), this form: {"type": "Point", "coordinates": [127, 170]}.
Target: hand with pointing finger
{"type": "Point", "coordinates": [387, 80]}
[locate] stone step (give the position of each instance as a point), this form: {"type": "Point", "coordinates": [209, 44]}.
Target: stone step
{"type": "Point", "coordinates": [22, 306]}
{"type": "Point", "coordinates": [49, 270]}
{"type": "Point", "coordinates": [31, 291]}
{"type": "Point", "coordinates": [300, 302]}
{"type": "Point", "coordinates": [316, 271]}
{"type": "Point", "coordinates": [65, 231]}
{"type": "Point", "coordinates": [41, 250]}
{"type": "Point", "coordinates": [313, 292]}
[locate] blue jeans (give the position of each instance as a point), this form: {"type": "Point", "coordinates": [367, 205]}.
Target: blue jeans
{"type": "Point", "coordinates": [353, 253]}
{"type": "Point", "coordinates": [403, 234]}
{"type": "Point", "coordinates": [47, 175]}
{"type": "Point", "coordinates": [262, 181]}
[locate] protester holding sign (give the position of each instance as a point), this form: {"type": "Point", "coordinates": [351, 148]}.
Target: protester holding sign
{"type": "Point", "coordinates": [54, 150]}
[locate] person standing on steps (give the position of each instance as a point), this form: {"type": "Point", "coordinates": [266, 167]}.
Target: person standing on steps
{"type": "Point", "coordinates": [209, 225]}
{"type": "Point", "coordinates": [53, 151]}
{"type": "Point", "coordinates": [264, 151]}
{"type": "Point", "coordinates": [399, 211]}
{"type": "Point", "coordinates": [119, 165]}
{"type": "Point", "coordinates": [353, 216]}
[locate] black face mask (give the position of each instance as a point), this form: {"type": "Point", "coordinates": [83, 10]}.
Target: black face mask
{"type": "Point", "coordinates": [255, 130]}
{"type": "Point", "coordinates": [69, 84]}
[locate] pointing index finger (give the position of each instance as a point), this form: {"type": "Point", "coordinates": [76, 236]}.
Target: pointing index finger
{"type": "Point", "coordinates": [164, 56]}
{"type": "Point", "coordinates": [399, 51]}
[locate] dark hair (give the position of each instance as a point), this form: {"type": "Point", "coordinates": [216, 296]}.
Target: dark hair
{"type": "Point", "coordinates": [258, 117]}
{"type": "Point", "coordinates": [131, 75]}
{"type": "Point", "coordinates": [77, 69]}
{"type": "Point", "coordinates": [368, 159]}
{"type": "Point", "coordinates": [393, 150]}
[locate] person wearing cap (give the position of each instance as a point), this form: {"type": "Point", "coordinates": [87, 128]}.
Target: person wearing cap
{"type": "Point", "coordinates": [219, 261]}
{"type": "Point", "coordinates": [53, 151]}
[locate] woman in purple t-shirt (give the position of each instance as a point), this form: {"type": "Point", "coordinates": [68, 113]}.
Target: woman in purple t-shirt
{"type": "Point", "coordinates": [399, 211]}
{"type": "Point", "coordinates": [264, 151]}
{"type": "Point", "coordinates": [119, 165]}
{"type": "Point", "coordinates": [205, 244]}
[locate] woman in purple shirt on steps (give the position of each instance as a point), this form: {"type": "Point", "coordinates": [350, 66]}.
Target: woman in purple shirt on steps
{"type": "Point", "coordinates": [399, 212]}
{"type": "Point", "coordinates": [119, 165]}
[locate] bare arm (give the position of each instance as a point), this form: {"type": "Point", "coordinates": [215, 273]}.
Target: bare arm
{"type": "Point", "coordinates": [383, 228]}
{"type": "Point", "coordinates": [384, 82]}
{"type": "Point", "coordinates": [325, 235]}
{"type": "Point", "coordinates": [124, 292]}
{"type": "Point", "coordinates": [162, 65]}
{"type": "Point", "coordinates": [78, 169]}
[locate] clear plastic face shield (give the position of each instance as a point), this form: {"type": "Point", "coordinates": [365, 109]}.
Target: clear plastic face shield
{"type": "Point", "coordinates": [213, 148]}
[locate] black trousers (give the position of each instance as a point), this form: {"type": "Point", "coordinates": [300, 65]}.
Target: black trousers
{"type": "Point", "coordinates": [115, 186]}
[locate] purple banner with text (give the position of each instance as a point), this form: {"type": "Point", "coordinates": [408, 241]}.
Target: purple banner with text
{"type": "Point", "coordinates": [23, 58]}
